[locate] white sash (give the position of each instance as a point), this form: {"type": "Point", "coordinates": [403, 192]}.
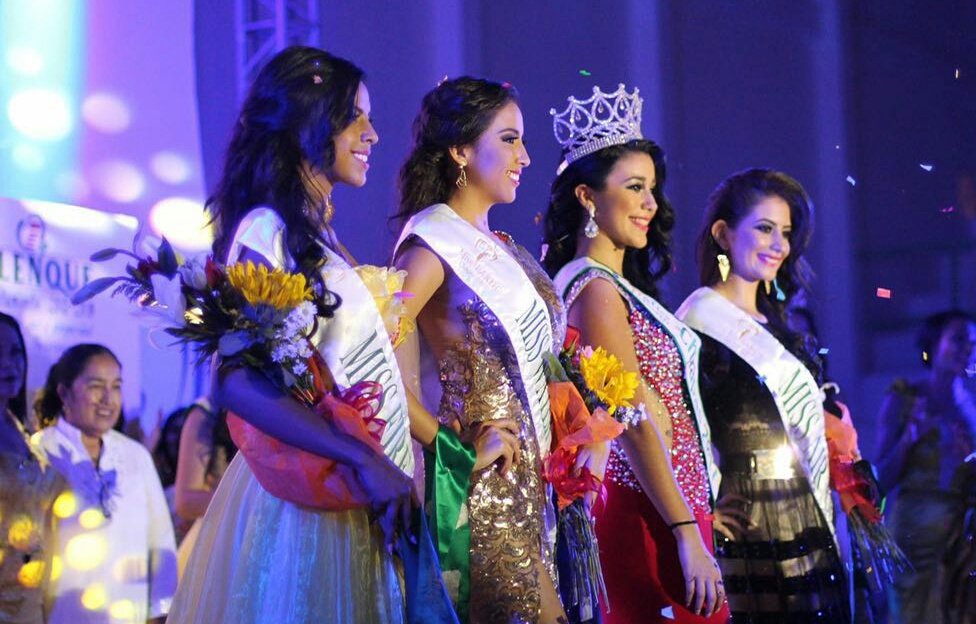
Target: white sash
{"type": "Point", "coordinates": [688, 343]}
{"type": "Point", "coordinates": [500, 281]}
{"type": "Point", "coordinates": [354, 342]}
{"type": "Point", "coordinates": [793, 388]}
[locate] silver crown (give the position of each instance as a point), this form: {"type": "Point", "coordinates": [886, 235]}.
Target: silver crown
{"type": "Point", "coordinates": [605, 119]}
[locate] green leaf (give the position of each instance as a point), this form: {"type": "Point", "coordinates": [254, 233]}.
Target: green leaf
{"type": "Point", "coordinates": [167, 259]}
{"type": "Point", "coordinates": [92, 288]}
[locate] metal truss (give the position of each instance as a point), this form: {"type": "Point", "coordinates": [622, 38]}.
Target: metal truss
{"type": "Point", "coordinates": [264, 27]}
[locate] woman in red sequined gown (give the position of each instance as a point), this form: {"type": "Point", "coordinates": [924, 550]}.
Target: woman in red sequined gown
{"type": "Point", "coordinates": [654, 524]}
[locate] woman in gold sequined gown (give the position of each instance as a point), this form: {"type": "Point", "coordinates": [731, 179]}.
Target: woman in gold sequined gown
{"type": "Point", "coordinates": [468, 155]}
{"type": "Point", "coordinates": [28, 487]}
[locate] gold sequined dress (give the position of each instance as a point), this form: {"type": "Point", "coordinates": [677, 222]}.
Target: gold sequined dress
{"type": "Point", "coordinates": [28, 488]}
{"type": "Point", "coordinates": [511, 517]}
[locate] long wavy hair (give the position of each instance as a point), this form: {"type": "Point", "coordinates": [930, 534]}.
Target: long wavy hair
{"type": "Point", "coordinates": [48, 404]}
{"type": "Point", "coordinates": [565, 215]}
{"type": "Point", "coordinates": [734, 199]}
{"type": "Point", "coordinates": [454, 113]}
{"type": "Point", "coordinates": [299, 102]}
{"type": "Point", "coordinates": [17, 404]}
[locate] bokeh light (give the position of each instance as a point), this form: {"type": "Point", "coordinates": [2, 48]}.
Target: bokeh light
{"type": "Point", "coordinates": [119, 181]}
{"type": "Point", "coordinates": [91, 518]}
{"type": "Point", "coordinates": [65, 505]}
{"type": "Point", "coordinates": [42, 114]}
{"type": "Point", "coordinates": [21, 535]}
{"type": "Point", "coordinates": [106, 112]}
{"type": "Point", "coordinates": [94, 597]}
{"type": "Point", "coordinates": [170, 167]}
{"type": "Point", "coordinates": [31, 574]}
{"type": "Point", "coordinates": [124, 610]}
{"type": "Point", "coordinates": [183, 222]}
{"type": "Point", "coordinates": [85, 551]}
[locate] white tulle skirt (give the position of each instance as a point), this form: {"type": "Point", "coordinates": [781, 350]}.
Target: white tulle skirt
{"type": "Point", "coordinates": [260, 559]}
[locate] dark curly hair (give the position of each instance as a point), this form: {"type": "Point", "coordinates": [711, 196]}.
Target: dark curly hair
{"type": "Point", "coordinates": [565, 215]}
{"type": "Point", "coordinates": [734, 199]}
{"type": "Point", "coordinates": [454, 113]}
{"type": "Point", "coordinates": [18, 403]}
{"type": "Point", "coordinates": [930, 333]}
{"type": "Point", "coordinates": [299, 102]}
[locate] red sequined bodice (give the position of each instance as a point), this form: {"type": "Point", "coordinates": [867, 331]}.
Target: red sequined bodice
{"type": "Point", "coordinates": [662, 369]}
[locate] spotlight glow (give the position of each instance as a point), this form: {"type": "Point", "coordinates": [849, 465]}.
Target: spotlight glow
{"type": "Point", "coordinates": [41, 114]}
{"type": "Point", "coordinates": [170, 167]}
{"type": "Point", "coordinates": [106, 112]}
{"type": "Point", "coordinates": [183, 222]}
{"type": "Point", "coordinates": [119, 181]}
{"type": "Point", "coordinates": [28, 157]}
{"type": "Point", "coordinates": [72, 185]}
{"type": "Point", "coordinates": [25, 61]}
{"type": "Point", "coordinates": [91, 518]}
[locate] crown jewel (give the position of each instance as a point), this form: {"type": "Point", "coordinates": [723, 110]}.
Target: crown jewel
{"type": "Point", "coordinates": [604, 119]}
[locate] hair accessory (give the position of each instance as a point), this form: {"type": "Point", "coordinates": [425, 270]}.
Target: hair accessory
{"type": "Point", "coordinates": [604, 119]}
{"type": "Point", "coordinates": [462, 179]}
{"type": "Point", "coordinates": [442, 80]}
{"type": "Point", "coordinates": [316, 79]}
{"type": "Point", "coordinates": [724, 266]}
{"type": "Point", "coordinates": [591, 229]}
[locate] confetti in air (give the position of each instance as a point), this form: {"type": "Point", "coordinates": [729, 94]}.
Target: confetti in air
{"type": "Point", "coordinates": [824, 351]}
{"type": "Point", "coordinates": [883, 293]}
{"type": "Point", "coordinates": [583, 72]}
{"type": "Point", "coordinates": [851, 181]}
{"type": "Point", "coordinates": [947, 209]}
{"type": "Point", "coordinates": [957, 73]}
{"type": "Point", "coordinates": [668, 612]}
{"type": "Point", "coordinates": [926, 166]}
{"type": "Point", "coordinates": [538, 218]}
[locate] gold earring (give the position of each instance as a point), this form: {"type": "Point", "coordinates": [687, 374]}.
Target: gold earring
{"type": "Point", "coordinates": [328, 210]}
{"type": "Point", "coordinates": [462, 179]}
{"type": "Point", "coordinates": [724, 266]}
{"type": "Point", "coordinates": [769, 287]}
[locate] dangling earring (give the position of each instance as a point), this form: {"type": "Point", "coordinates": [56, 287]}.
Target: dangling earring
{"type": "Point", "coordinates": [591, 229]}
{"type": "Point", "coordinates": [329, 210]}
{"type": "Point", "coordinates": [724, 266]}
{"type": "Point", "coordinates": [462, 179]}
{"type": "Point", "coordinates": [780, 295]}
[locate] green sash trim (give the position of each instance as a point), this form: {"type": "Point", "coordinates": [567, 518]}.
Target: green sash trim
{"type": "Point", "coordinates": [448, 476]}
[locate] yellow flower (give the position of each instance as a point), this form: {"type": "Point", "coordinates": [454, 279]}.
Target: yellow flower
{"type": "Point", "coordinates": [276, 288]}
{"type": "Point", "coordinates": [604, 374]}
{"type": "Point", "coordinates": [386, 286]}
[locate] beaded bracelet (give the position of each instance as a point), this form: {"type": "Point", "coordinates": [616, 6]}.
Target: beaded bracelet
{"type": "Point", "coordinates": [675, 525]}
{"type": "Point", "coordinates": [630, 416]}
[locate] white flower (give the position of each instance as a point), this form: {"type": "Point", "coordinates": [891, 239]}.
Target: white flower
{"type": "Point", "coordinates": [170, 303]}
{"type": "Point", "coordinates": [194, 273]}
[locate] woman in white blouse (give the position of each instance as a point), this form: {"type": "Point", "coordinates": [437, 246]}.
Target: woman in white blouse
{"type": "Point", "coordinates": [115, 542]}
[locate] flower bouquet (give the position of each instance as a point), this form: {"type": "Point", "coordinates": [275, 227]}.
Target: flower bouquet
{"type": "Point", "coordinates": [586, 388]}
{"type": "Point", "coordinates": [875, 556]}
{"type": "Point", "coordinates": [260, 318]}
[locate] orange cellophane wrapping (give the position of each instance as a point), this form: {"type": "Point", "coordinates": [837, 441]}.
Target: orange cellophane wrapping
{"type": "Point", "coordinates": [573, 427]}
{"type": "Point", "coordinates": [854, 491]}
{"type": "Point", "coordinates": [301, 477]}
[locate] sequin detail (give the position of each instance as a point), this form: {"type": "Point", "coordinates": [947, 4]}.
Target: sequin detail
{"type": "Point", "coordinates": [663, 370]}
{"type": "Point", "coordinates": [480, 382]}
